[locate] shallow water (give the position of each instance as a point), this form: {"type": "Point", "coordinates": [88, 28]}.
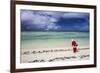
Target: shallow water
{"type": "Point", "coordinates": [35, 40]}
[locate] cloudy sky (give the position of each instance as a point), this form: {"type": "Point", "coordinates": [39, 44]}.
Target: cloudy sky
{"type": "Point", "coordinates": [35, 20]}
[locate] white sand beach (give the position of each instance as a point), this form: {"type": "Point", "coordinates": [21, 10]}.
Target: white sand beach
{"type": "Point", "coordinates": [53, 55]}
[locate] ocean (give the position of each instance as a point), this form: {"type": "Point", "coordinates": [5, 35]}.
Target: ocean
{"type": "Point", "coordinates": [37, 40]}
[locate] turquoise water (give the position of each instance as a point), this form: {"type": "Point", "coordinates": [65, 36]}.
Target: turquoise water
{"type": "Point", "coordinates": [33, 40]}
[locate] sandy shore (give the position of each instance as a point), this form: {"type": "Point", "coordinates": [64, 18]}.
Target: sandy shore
{"type": "Point", "coordinates": [52, 55]}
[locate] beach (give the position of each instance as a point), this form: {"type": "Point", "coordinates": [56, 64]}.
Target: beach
{"type": "Point", "coordinates": [53, 46]}
{"type": "Point", "coordinates": [50, 55]}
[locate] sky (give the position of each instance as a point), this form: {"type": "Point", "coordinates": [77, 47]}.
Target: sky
{"type": "Point", "coordinates": [39, 20]}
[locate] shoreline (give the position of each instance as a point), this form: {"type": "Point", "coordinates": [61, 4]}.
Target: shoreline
{"type": "Point", "coordinates": [53, 55]}
{"type": "Point", "coordinates": [31, 51]}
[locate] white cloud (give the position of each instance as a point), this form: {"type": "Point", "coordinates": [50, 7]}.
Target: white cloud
{"type": "Point", "coordinates": [40, 19]}
{"type": "Point", "coordinates": [26, 15]}
{"type": "Point", "coordinates": [52, 26]}
{"type": "Point", "coordinates": [73, 15]}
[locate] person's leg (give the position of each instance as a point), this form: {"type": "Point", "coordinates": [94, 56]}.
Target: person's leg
{"type": "Point", "coordinates": [74, 49]}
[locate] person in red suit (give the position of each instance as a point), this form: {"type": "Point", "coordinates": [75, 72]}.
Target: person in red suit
{"type": "Point", "coordinates": [74, 45]}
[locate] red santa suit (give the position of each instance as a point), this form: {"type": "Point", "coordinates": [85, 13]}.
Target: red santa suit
{"type": "Point", "coordinates": [74, 45]}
